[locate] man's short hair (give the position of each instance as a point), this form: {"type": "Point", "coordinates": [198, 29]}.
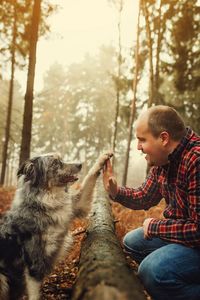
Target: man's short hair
{"type": "Point", "coordinates": [165, 118]}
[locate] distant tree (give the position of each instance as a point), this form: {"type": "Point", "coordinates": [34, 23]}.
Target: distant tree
{"type": "Point", "coordinates": [76, 103]}
{"type": "Point", "coordinates": [53, 108]}
{"type": "Point", "coordinates": [94, 99]}
{"type": "Point", "coordinates": [15, 124]}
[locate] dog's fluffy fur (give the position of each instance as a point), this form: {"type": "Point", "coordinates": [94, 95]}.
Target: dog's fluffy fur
{"type": "Point", "coordinates": [34, 232]}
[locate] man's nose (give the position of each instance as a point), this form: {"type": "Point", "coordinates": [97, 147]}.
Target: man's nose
{"type": "Point", "coordinates": [139, 146]}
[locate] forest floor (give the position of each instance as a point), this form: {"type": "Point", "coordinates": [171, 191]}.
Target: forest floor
{"type": "Point", "coordinates": [59, 284]}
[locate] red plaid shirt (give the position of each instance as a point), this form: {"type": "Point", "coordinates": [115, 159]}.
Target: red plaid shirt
{"type": "Point", "coordinates": [178, 183]}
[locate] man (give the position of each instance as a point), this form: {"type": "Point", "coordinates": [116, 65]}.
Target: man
{"type": "Point", "coordinates": [168, 249]}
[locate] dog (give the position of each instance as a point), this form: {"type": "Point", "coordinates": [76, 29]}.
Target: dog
{"type": "Point", "coordinates": [34, 233]}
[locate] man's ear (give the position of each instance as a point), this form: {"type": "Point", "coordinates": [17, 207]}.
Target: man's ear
{"type": "Point", "coordinates": [164, 136]}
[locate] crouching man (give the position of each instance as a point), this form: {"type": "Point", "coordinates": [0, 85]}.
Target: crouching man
{"type": "Point", "coordinates": [167, 250]}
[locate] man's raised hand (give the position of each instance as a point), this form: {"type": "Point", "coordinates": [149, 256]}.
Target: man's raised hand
{"type": "Point", "coordinates": [109, 181]}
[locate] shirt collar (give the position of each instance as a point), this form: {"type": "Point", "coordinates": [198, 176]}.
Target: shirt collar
{"type": "Point", "coordinates": [176, 154]}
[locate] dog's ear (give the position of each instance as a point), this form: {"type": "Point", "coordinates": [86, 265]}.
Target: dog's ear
{"type": "Point", "coordinates": [21, 170]}
{"type": "Point", "coordinates": [33, 171]}
{"type": "Point", "coordinates": [28, 169]}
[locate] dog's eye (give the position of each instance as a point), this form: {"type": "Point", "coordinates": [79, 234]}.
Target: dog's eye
{"type": "Point", "coordinates": [60, 164]}
{"type": "Point", "coordinates": [57, 163]}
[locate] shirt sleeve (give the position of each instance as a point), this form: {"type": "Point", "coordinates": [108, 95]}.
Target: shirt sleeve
{"type": "Point", "coordinates": [144, 197]}
{"type": "Point", "coordinates": [184, 231]}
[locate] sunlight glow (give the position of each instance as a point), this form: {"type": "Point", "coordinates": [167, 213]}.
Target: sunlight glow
{"type": "Point", "coordinates": [80, 27]}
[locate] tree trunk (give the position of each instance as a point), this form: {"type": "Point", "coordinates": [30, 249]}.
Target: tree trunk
{"type": "Point", "coordinates": [117, 82]}
{"type": "Point", "coordinates": [150, 48]}
{"type": "Point", "coordinates": [104, 273]}
{"type": "Point", "coordinates": [133, 107]}
{"type": "Point", "coordinates": [10, 100]}
{"type": "Point", "coordinates": [158, 49]}
{"type": "Point", "coordinates": [28, 108]}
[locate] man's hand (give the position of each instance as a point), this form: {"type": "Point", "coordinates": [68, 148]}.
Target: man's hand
{"type": "Point", "coordinates": [145, 228]}
{"type": "Point", "coordinates": [109, 181]}
{"type": "Point", "coordinates": [112, 187]}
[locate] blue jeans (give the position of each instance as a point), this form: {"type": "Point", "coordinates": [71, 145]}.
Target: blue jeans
{"type": "Point", "coordinates": [168, 271]}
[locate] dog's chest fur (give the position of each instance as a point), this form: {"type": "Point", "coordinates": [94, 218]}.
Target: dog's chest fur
{"type": "Point", "coordinates": [50, 212]}
{"type": "Point", "coordinates": [59, 207]}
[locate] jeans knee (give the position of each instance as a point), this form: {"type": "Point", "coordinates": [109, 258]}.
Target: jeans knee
{"type": "Point", "coordinates": [151, 273]}
{"type": "Point", "coordinates": [132, 239]}
{"type": "Point", "coordinates": [126, 242]}
{"type": "Point", "coordinates": [165, 276]}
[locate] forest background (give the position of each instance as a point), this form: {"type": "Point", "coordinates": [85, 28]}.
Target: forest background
{"type": "Point", "coordinates": [90, 106]}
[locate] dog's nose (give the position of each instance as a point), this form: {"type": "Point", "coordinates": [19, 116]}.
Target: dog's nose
{"type": "Point", "coordinates": [79, 166]}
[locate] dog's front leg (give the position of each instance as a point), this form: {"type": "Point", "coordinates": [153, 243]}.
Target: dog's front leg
{"type": "Point", "coordinates": [85, 196]}
{"type": "Point", "coordinates": [33, 287]}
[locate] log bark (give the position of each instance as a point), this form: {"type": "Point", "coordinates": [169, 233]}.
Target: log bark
{"type": "Point", "coordinates": [104, 273]}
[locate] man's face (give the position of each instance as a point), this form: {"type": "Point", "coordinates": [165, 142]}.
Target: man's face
{"type": "Point", "coordinates": [154, 148]}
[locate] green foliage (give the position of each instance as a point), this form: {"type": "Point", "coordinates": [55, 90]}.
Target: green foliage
{"type": "Point", "coordinates": [181, 76]}
{"type": "Point", "coordinates": [185, 46]}
{"type": "Point", "coordinates": [24, 13]}
{"type": "Point", "coordinates": [179, 50]}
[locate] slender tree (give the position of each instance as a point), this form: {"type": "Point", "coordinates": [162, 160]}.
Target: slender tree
{"type": "Point", "coordinates": [160, 30]}
{"type": "Point", "coordinates": [133, 105]}
{"type": "Point", "coordinates": [119, 5]}
{"type": "Point", "coordinates": [10, 101]}
{"type": "Point", "coordinates": [150, 49]}
{"type": "Point", "coordinates": [28, 108]}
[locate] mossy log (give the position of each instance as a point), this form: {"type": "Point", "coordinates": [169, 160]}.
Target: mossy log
{"type": "Point", "coordinates": [104, 273]}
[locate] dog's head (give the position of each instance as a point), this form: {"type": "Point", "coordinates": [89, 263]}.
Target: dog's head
{"type": "Point", "coordinates": [49, 170]}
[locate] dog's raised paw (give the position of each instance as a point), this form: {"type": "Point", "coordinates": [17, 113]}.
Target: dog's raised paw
{"type": "Point", "coordinates": [103, 158]}
{"type": "Point", "coordinates": [101, 162]}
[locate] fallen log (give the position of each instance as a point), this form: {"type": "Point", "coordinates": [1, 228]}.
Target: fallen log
{"type": "Point", "coordinates": [104, 273]}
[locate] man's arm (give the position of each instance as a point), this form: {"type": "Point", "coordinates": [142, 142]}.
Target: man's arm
{"type": "Point", "coordinates": [144, 197]}
{"type": "Point", "coordinates": [185, 230]}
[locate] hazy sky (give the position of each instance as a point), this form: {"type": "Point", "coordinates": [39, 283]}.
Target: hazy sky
{"type": "Point", "coordinates": [81, 26]}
